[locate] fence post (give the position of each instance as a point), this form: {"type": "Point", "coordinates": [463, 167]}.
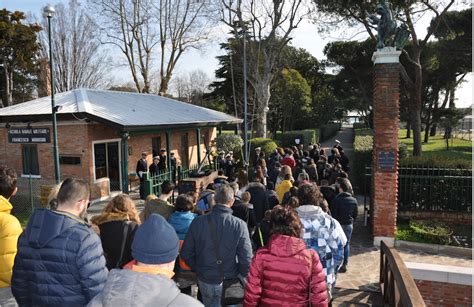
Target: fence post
{"type": "Point", "coordinates": [180, 175]}
{"type": "Point", "coordinates": [148, 184]}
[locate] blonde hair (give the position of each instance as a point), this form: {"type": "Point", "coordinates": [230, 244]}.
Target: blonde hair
{"type": "Point", "coordinates": [150, 197]}
{"type": "Point", "coordinates": [246, 197]}
{"type": "Point", "coordinates": [123, 204]}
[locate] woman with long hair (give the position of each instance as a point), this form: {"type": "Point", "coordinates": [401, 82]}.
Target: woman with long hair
{"type": "Point", "coordinates": [285, 169]}
{"type": "Point", "coordinates": [117, 223]}
{"type": "Point", "coordinates": [284, 272]}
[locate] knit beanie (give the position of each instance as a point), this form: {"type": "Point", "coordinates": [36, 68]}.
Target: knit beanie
{"type": "Point", "coordinates": [155, 241]}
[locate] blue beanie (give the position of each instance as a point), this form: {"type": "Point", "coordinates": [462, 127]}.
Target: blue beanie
{"type": "Point", "coordinates": [155, 241]}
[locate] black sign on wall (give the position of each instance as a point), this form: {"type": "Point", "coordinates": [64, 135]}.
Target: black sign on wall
{"type": "Point", "coordinates": [386, 160]}
{"type": "Point", "coordinates": [29, 135]}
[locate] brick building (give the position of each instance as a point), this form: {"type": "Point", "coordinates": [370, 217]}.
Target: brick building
{"type": "Point", "coordinates": [97, 129]}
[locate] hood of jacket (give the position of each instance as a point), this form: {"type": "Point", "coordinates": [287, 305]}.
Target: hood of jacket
{"type": "Point", "coordinates": [309, 211]}
{"type": "Point", "coordinates": [5, 205]}
{"type": "Point", "coordinates": [45, 225]}
{"type": "Point", "coordinates": [344, 195]}
{"type": "Point", "coordinates": [130, 288]}
{"type": "Point", "coordinates": [285, 246]}
{"type": "Point", "coordinates": [109, 217]}
{"type": "Point", "coordinates": [181, 220]}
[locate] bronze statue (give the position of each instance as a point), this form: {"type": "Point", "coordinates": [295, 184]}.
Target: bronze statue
{"type": "Point", "coordinates": [389, 34]}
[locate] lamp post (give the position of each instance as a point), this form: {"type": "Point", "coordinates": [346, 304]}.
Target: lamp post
{"type": "Point", "coordinates": [48, 13]}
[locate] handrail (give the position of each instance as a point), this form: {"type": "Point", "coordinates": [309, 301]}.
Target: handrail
{"type": "Point", "coordinates": [397, 284]}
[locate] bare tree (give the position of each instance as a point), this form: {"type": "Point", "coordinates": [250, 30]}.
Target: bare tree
{"type": "Point", "coordinates": [130, 25]}
{"type": "Point", "coordinates": [190, 87]}
{"type": "Point", "coordinates": [267, 26]}
{"type": "Point", "coordinates": [183, 24]}
{"type": "Point", "coordinates": [78, 58]}
{"type": "Point", "coordinates": [147, 30]}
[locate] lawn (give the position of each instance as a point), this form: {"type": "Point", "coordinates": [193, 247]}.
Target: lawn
{"type": "Point", "coordinates": [436, 146]}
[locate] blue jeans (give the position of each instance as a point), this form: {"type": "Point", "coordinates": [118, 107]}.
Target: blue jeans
{"type": "Point", "coordinates": [348, 232]}
{"type": "Point", "coordinates": [211, 294]}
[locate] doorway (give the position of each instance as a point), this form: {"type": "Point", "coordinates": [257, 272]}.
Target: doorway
{"type": "Point", "coordinates": [107, 162]}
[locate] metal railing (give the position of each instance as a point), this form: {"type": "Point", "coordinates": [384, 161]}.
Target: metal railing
{"type": "Point", "coordinates": [397, 284]}
{"type": "Point", "coordinates": [153, 183]}
{"type": "Point", "coordinates": [431, 189]}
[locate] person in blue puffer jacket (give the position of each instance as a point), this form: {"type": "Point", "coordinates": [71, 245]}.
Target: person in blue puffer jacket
{"type": "Point", "coordinates": [180, 220]}
{"type": "Point", "coordinates": [60, 260]}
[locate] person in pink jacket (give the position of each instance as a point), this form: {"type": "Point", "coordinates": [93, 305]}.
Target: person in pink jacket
{"type": "Point", "coordinates": [284, 272]}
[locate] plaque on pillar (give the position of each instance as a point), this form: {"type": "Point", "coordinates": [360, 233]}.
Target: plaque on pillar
{"type": "Point", "coordinates": [386, 161]}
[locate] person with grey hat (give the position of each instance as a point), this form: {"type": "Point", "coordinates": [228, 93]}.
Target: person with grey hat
{"type": "Point", "coordinates": [147, 280]}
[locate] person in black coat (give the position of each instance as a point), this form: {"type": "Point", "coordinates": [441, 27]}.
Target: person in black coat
{"type": "Point", "coordinates": [163, 165]}
{"type": "Point", "coordinates": [272, 195]}
{"type": "Point", "coordinates": [259, 198]}
{"type": "Point", "coordinates": [142, 167]}
{"type": "Point", "coordinates": [117, 223]}
{"type": "Point", "coordinates": [239, 209]}
{"type": "Point", "coordinates": [344, 210]}
{"type": "Point", "coordinates": [153, 169]}
{"type": "Point", "coordinates": [274, 173]}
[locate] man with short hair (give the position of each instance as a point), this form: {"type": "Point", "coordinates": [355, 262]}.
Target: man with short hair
{"type": "Point", "coordinates": [344, 210]}
{"type": "Point", "coordinates": [232, 243]}
{"type": "Point", "coordinates": [161, 205]}
{"type": "Point", "coordinates": [147, 280]}
{"type": "Point", "coordinates": [60, 260]}
{"type": "Point", "coordinates": [10, 230]}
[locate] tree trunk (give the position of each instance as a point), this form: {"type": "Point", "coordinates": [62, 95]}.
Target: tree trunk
{"type": "Point", "coordinates": [262, 92]}
{"type": "Point", "coordinates": [7, 101]}
{"type": "Point", "coordinates": [433, 130]}
{"type": "Point", "coordinates": [408, 129]}
{"type": "Point", "coordinates": [164, 84]}
{"type": "Point", "coordinates": [416, 106]}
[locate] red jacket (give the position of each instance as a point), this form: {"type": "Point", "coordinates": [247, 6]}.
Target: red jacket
{"type": "Point", "coordinates": [280, 275]}
{"type": "Point", "coordinates": [290, 161]}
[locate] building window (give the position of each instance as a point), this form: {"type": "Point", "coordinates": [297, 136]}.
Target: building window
{"type": "Point", "coordinates": [70, 160]}
{"type": "Point", "coordinates": [30, 159]}
{"type": "Point", "coordinates": [156, 146]}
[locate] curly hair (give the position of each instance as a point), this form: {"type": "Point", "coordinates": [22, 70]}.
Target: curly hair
{"type": "Point", "coordinates": [285, 221]}
{"type": "Point", "coordinates": [123, 204]}
{"type": "Point", "coordinates": [309, 194]}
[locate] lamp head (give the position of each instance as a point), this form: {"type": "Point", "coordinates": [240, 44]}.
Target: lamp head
{"type": "Point", "coordinates": [48, 11]}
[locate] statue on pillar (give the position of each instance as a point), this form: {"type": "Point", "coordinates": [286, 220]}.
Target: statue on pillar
{"type": "Point", "coordinates": [389, 33]}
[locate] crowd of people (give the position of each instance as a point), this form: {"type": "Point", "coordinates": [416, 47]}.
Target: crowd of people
{"type": "Point", "coordinates": [277, 236]}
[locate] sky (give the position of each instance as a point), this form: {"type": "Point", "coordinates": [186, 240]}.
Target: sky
{"type": "Point", "coordinates": [305, 36]}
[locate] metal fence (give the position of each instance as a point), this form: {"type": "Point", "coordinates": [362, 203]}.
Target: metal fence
{"type": "Point", "coordinates": [153, 183]}
{"type": "Point", "coordinates": [432, 189]}
{"type": "Point", "coordinates": [32, 193]}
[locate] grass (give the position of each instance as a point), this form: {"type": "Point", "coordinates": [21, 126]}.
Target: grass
{"type": "Point", "coordinates": [461, 235]}
{"type": "Point", "coordinates": [436, 147]}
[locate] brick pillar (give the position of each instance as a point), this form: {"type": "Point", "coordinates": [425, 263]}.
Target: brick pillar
{"type": "Point", "coordinates": [386, 108]}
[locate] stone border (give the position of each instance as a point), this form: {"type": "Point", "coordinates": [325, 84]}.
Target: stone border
{"type": "Point", "coordinates": [435, 248]}
{"type": "Point", "coordinates": [441, 273]}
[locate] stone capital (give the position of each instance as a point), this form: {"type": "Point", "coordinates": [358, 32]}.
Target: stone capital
{"type": "Point", "coordinates": [386, 55]}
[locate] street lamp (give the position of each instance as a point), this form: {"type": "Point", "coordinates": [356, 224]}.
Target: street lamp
{"type": "Point", "coordinates": [48, 12]}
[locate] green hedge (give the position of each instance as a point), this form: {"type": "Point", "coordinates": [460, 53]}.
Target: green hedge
{"type": "Point", "coordinates": [287, 138]}
{"type": "Point", "coordinates": [363, 143]}
{"type": "Point", "coordinates": [328, 130]}
{"type": "Point", "coordinates": [267, 145]}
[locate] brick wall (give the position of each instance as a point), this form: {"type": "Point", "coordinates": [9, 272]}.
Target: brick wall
{"type": "Point", "coordinates": [386, 122]}
{"type": "Point", "coordinates": [446, 217]}
{"type": "Point", "coordinates": [444, 294]}
{"type": "Point", "coordinates": [77, 139]}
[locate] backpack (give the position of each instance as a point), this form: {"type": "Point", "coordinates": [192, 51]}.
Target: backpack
{"type": "Point", "coordinates": [203, 203]}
